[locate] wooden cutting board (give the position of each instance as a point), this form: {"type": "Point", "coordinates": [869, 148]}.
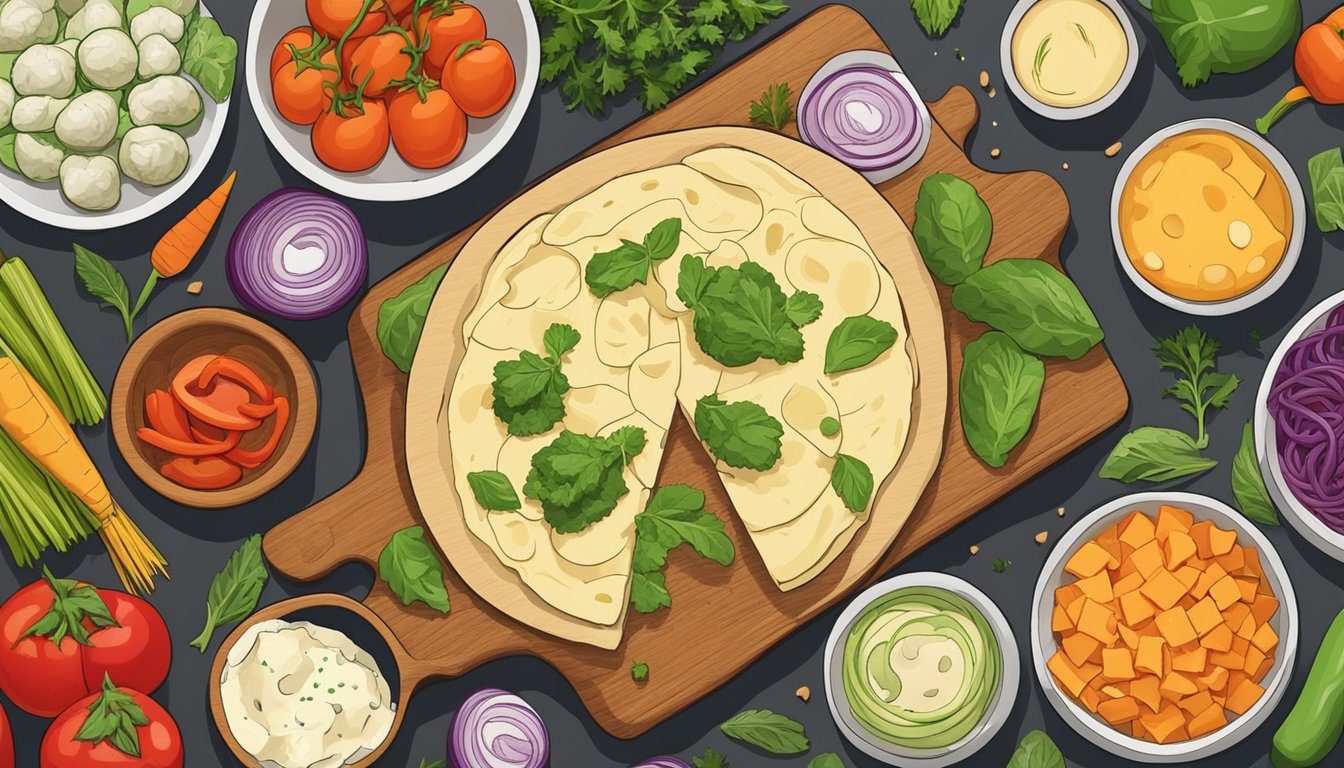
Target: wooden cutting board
{"type": "Point", "coordinates": [689, 658]}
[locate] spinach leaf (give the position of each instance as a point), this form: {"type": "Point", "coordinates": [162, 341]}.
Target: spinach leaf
{"type": "Point", "coordinates": [1000, 392]}
{"type": "Point", "coordinates": [1033, 303]}
{"type": "Point", "coordinates": [853, 482]}
{"type": "Point", "coordinates": [952, 228]}
{"type": "Point", "coordinates": [211, 57]}
{"type": "Point", "coordinates": [826, 760]}
{"type": "Point", "coordinates": [856, 342]}
{"type": "Point", "coordinates": [412, 570]}
{"type": "Point", "coordinates": [402, 318]}
{"type": "Point", "coordinates": [1224, 36]}
{"type": "Point", "coordinates": [7, 158]}
{"type": "Point", "coordinates": [1327, 189]}
{"type": "Point", "coordinates": [1037, 751]}
{"type": "Point", "coordinates": [775, 733]}
{"type": "Point", "coordinates": [935, 16]}
{"type": "Point", "coordinates": [740, 434]}
{"type": "Point", "coordinates": [675, 515]}
{"type": "Point", "coordinates": [235, 590]}
{"type": "Point", "coordinates": [1155, 454]}
{"type": "Point", "coordinates": [493, 491]}
{"type": "Point", "coordinates": [1248, 484]}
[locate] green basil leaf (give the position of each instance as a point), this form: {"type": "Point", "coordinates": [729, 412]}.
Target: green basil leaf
{"type": "Point", "coordinates": [412, 570]}
{"type": "Point", "coordinates": [639, 671]}
{"type": "Point", "coordinates": [493, 491]}
{"type": "Point", "coordinates": [104, 283]}
{"type": "Point", "coordinates": [1000, 392]}
{"type": "Point", "coordinates": [1037, 751]}
{"type": "Point", "coordinates": [936, 16]}
{"type": "Point", "coordinates": [234, 591]}
{"type": "Point", "coordinates": [775, 733]}
{"type": "Point", "coordinates": [661, 242]}
{"type": "Point", "coordinates": [952, 228]}
{"type": "Point", "coordinates": [617, 269]}
{"type": "Point", "coordinates": [1032, 302]}
{"type": "Point", "coordinates": [856, 342]}
{"type": "Point", "coordinates": [826, 760]}
{"type": "Point", "coordinates": [1155, 454]}
{"type": "Point", "coordinates": [402, 318]}
{"type": "Point", "coordinates": [1248, 484]}
{"type": "Point", "coordinates": [852, 481]}
{"type": "Point", "coordinates": [1327, 188]}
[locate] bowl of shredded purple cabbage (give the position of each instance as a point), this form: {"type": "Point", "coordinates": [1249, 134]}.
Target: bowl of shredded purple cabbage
{"type": "Point", "coordinates": [1299, 426]}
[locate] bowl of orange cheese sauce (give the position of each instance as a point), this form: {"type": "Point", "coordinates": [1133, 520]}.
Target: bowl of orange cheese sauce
{"type": "Point", "coordinates": [1207, 217]}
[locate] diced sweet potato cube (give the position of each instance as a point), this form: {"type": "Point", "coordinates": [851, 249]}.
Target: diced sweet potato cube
{"type": "Point", "coordinates": [1098, 587]}
{"type": "Point", "coordinates": [1247, 629]}
{"type": "Point", "coordinates": [1207, 721]}
{"type": "Point", "coordinates": [1190, 661]}
{"type": "Point", "coordinates": [1215, 679]}
{"type": "Point", "coordinates": [1240, 645]}
{"type": "Point", "coordinates": [1095, 621]}
{"type": "Point", "coordinates": [1177, 686]}
{"type": "Point", "coordinates": [1135, 608]}
{"type": "Point", "coordinates": [1196, 702]}
{"type": "Point", "coordinates": [1264, 608]}
{"type": "Point", "coordinates": [1145, 690]}
{"type": "Point", "coordinates": [1117, 664]}
{"type": "Point", "coordinates": [1219, 639]}
{"type": "Point", "coordinates": [1138, 731]}
{"type": "Point", "coordinates": [1200, 533]}
{"type": "Point", "coordinates": [1148, 657]}
{"type": "Point", "coordinates": [1163, 723]}
{"type": "Point", "coordinates": [1243, 696]}
{"type": "Point", "coordinates": [1117, 711]}
{"type": "Point", "coordinates": [1235, 614]}
{"type": "Point", "coordinates": [1175, 627]}
{"type": "Point", "coordinates": [1147, 559]}
{"type": "Point", "coordinates": [1176, 736]}
{"type": "Point", "coordinates": [1128, 636]}
{"type": "Point", "coordinates": [1265, 638]}
{"type": "Point", "coordinates": [1221, 542]}
{"type": "Point", "coordinates": [1163, 589]}
{"type": "Point", "coordinates": [1172, 519]}
{"type": "Point", "coordinates": [1204, 616]}
{"type": "Point", "coordinates": [1089, 560]}
{"type": "Point", "coordinates": [1115, 691]}
{"type": "Point", "coordinates": [1126, 584]}
{"type": "Point", "coordinates": [1075, 609]}
{"type": "Point", "coordinates": [1225, 592]}
{"type": "Point", "coordinates": [1228, 659]}
{"type": "Point", "coordinates": [1247, 586]}
{"type": "Point", "coordinates": [1109, 540]}
{"type": "Point", "coordinates": [1067, 594]}
{"type": "Point", "coordinates": [1254, 658]}
{"type": "Point", "coordinates": [1179, 548]}
{"type": "Point", "coordinates": [1137, 530]}
{"type": "Point", "coordinates": [1066, 674]}
{"type": "Point", "coordinates": [1265, 666]}
{"type": "Point", "coordinates": [1208, 578]}
{"type": "Point", "coordinates": [1233, 561]}
{"type": "Point", "coordinates": [1187, 575]}
{"type": "Point", "coordinates": [1059, 620]}
{"type": "Point", "coordinates": [1091, 699]}
{"type": "Point", "coordinates": [1078, 647]}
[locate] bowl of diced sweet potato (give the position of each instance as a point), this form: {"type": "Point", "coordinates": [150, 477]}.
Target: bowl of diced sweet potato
{"type": "Point", "coordinates": [1164, 628]}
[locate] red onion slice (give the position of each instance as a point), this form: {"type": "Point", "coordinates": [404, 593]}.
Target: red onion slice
{"type": "Point", "coordinates": [664, 761]}
{"type": "Point", "coordinates": [497, 729]}
{"type": "Point", "coordinates": [864, 117]}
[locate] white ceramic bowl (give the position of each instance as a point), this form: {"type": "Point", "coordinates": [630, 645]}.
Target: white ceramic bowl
{"type": "Point", "coordinates": [1067, 113]}
{"type": "Point", "coordinates": [43, 201]}
{"type": "Point", "coordinates": [1307, 524]}
{"type": "Point", "coordinates": [511, 22]}
{"type": "Point", "coordinates": [1299, 209]}
{"type": "Point", "coordinates": [1098, 731]}
{"type": "Point", "coordinates": [1000, 707]}
{"type": "Point", "coordinates": [880, 61]}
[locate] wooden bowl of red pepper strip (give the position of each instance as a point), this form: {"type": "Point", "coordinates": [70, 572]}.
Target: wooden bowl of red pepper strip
{"type": "Point", "coordinates": [212, 408]}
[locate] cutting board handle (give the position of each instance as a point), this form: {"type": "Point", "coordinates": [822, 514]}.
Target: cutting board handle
{"type": "Point", "coordinates": [957, 112]}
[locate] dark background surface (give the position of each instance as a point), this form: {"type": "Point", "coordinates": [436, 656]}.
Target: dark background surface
{"type": "Point", "coordinates": [198, 542]}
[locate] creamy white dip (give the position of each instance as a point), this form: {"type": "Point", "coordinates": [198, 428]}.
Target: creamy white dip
{"type": "Point", "coordinates": [297, 695]}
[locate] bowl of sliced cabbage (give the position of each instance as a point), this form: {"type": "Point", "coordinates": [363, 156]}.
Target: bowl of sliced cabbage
{"type": "Point", "coordinates": [109, 109]}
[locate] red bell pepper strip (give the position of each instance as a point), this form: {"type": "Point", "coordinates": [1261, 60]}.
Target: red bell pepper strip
{"type": "Point", "coordinates": [254, 459]}
{"type": "Point", "coordinates": [237, 370]}
{"type": "Point", "coordinates": [187, 447]}
{"type": "Point", "coordinates": [257, 410]}
{"type": "Point", "coordinates": [203, 474]}
{"type": "Point", "coordinates": [1319, 61]}
{"type": "Point", "coordinates": [217, 405]}
{"type": "Point", "coordinates": [166, 416]}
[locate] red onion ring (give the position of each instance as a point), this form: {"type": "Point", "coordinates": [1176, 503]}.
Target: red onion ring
{"type": "Point", "coordinates": [497, 729]}
{"type": "Point", "coordinates": [862, 116]}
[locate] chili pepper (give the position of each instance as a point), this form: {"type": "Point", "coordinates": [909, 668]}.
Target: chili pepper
{"type": "Point", "coordinates": [187, 447]}
{"type": "Point", "coordinates": [166, 416]}
{"type": "Point", "coordinates": [1319, 61]}
{"type": "Point", "coordinates": [219, 404]}
{"type": "Point", "coordinates": [237, 370]}
{"type": "Point", "coordinates": [254, 459]}
{"type": "Point", "coordinates": [205, 474]}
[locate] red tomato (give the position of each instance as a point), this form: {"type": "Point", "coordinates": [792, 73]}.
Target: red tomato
{"type": "Point", "coordinates": [480, 77]}
{"type": "Point", "coordinates": [448, 27]}
{"type": "Point", "coordinates": [301, 97]}
{"type": "Point", "coordinates": [351, 141]}
{"type": "Point", "coordinates": [6, 741]}
{"type": "Point", "coordinates": [43, 677]}
{"type": "Point", "coordinates": [333, 17]}
{"type": "Point", "coordinates": [428, 133]}
{"type": "Point", "coordinates": [159, 741]}
{"type": "Point", "coordinates": [299, 37]}
{"type": "Point", "coordinates": [377, 62]}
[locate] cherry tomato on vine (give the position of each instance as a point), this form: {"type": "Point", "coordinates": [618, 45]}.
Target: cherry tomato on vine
{"type": "Point", "coordinates": [333, 17]}
{"type": "Point", "coordinates": [428, 132]}
{"type": "Point", "coordinates": [352, 141]}
{"type": "Point", "coordinates": [447, 26]}
{"type": "Point", "coordinates": [301, 97]}
{"type": "Point", "coordinates": [377, 62]}
{"type": "Point", "coordinates": [479, 75]}
{"type": "Point", "coordinates": [299, 37]}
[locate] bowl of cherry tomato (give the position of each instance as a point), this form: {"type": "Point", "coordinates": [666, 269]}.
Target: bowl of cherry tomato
{"type": "Point", "coordinates": [391, 99]}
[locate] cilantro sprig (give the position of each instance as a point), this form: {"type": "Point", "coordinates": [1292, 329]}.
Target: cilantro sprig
{"type": "Point", "coordinates": [741, 313]}
{"type": "Point", "coordinates": [675, 515]}
{"type": "Point", "coordinates": [579, 478]}
{"type": "Point", "coordinates": [631, 262]}
{"type": "Point", "coordinates": [529, 392]}
{"type": "Point", "coordinates": [773, 108]}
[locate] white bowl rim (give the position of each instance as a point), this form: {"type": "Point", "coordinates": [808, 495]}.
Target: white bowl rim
{"type": "Point", "coordinates": [1067, 113]}
{"type": "Point", "coordinates": [97, 221]}
{"type": "Point", "coordinates": [998, 711]}
{"type": "Point", "coordinates": [449, 177]}
{"type": "Point", "coordinates": [1311, 527]}
{"type": "Point", "coordinates": [1295, 239]}
{"type": "Point", "coordinates": [1103, 735]}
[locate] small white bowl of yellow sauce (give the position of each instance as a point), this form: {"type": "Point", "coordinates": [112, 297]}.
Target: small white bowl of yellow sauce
{"type": "Point", "coordinates": [1207, 217]}
{"type": "Point", "coordinates": [1069, 59]}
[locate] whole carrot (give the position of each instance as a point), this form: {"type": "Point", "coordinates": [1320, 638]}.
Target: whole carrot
{"type": "Point", "coordinates": [180, 244]}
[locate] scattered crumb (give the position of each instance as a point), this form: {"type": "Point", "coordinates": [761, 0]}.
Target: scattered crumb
{"type": "Point", "coordinates": [960, 56]}
{"type": "Point", "coordinates": [993, 92]}
{"type": "Point", "coordinates": [995, 152]}
{"type": "Point", "coordinates": [194, 287]}
{"type": "Point", "coordinates": [1042, 537]}
{"type": "Point", "coordinates": [1066, 166]}
{"type": "Point", "coordinates": [975, 549]}
{"type": "Point", "coordinates": [803, 693]}
{"type": "Point", "coordinates": [1113, 150]}
{"type": "Point", "coordinates": [995, 123]}
{"type": "Point", "coordinates": [984, 79]}
{"type": "Point", "coordinates": [1002, 565]}
{"type": "Point", "coordinates": [1061, 511]}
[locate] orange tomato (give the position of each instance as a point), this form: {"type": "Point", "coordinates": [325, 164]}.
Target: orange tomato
{"type": "Point", "coordinates": [301, 97]}
{"type": "Point", "coordinates": [428, 133]}
{"type": "Point", "coordinates": [447, 29]}
{"type": "Point", "coordinates": [381, 59]}
{"type": "Point", "coordinates": [479, 75]}
{"type": "Point", "coordinates": [352, 141]}
{"type": "Point", "coordinates": [299, 37]}
{"type": "Point", "coordinates": [333, 17]}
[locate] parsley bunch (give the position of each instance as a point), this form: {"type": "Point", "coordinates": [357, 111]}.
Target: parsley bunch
{"type": "Point", "coordinates": [675, 515]}
{"type": "Point", "coordinates": [578, 478]}
{"type": "Point", "coordinates": [528, 392]}
{"type": "Point", "coordinates": [741, 313]}
{"type": "Point", "coordinates": [599, 49]}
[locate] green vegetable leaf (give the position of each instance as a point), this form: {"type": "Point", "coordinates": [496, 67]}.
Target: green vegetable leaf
{"type": "Point", "coordinates": [412, 570]}
{"type": "Point", "coordinates": [775, 733]}
{"type": "Point", "coordinates": [7, 158]}
{"type": "Point", "coordinates": [648, 591]}
{"type": "Point", "coordinates": [675, 515]}
{"type": "Point", "coordinates": [1155, 454]}
{"type": "Point", "coordinates": [105, 283]}
{"type": "Point", "coordinates": [1327, 188]}
{"type": "Point", "coordinates": [740, 434]}
{"type": "Point", "coordinates": [1226, 36]}
{"type": "Point", "coordinates": [1000, 392]}
{"type": "Point", "coordinates": [1193, 355]}
{"type": "Point", "coordinates": [1037, 751]}
{"type": "Point", "coordinates": [425, 763]}
{"type": "Point", "coordinates": [711, 759]}
{"type": "Point", "coordinates": [631, 262]}
{"type": "Point", "coordinates": [826, 760]}
{"type": "Point", "coordinates": [639, 671]}
{"type": "Point", "coordinates": [113, 718]}
{"type": "Point", "coordinates": [1000, 565]}
{"type": "Point", "coordinates": [856, 342]}
{"type": "Point", "coordinates": [773, 108]}
{"type": "Point", "coordinates": [852, 481]}
{"type": "Point", "coordinates": [493, 491]}
{"type": "Point", "coordinates": [802, 308]}
{"type": "Point", "coordinates": [578, 479]}
{"type": "Point", "coordinates": [211, 57]}
{"type": "Point", "coordinates": [235, 590]}
{"type": "Point", "coordinates": [1033, 303]}
{"type": "Point", "coordinates": [402, 318]}
{"type": "Point", "coordinates": [936, 16]}
{"type": "Point", "coordinates": [72, 604]}
{"type": "Point", "coordinates": [1248, 484]}
{"type": "Point", "coordinates": [952, 228]}
{"type": "Point", "coordinates": [741, 314]}
{"type": "Point", "coordinates": [529, 392]}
